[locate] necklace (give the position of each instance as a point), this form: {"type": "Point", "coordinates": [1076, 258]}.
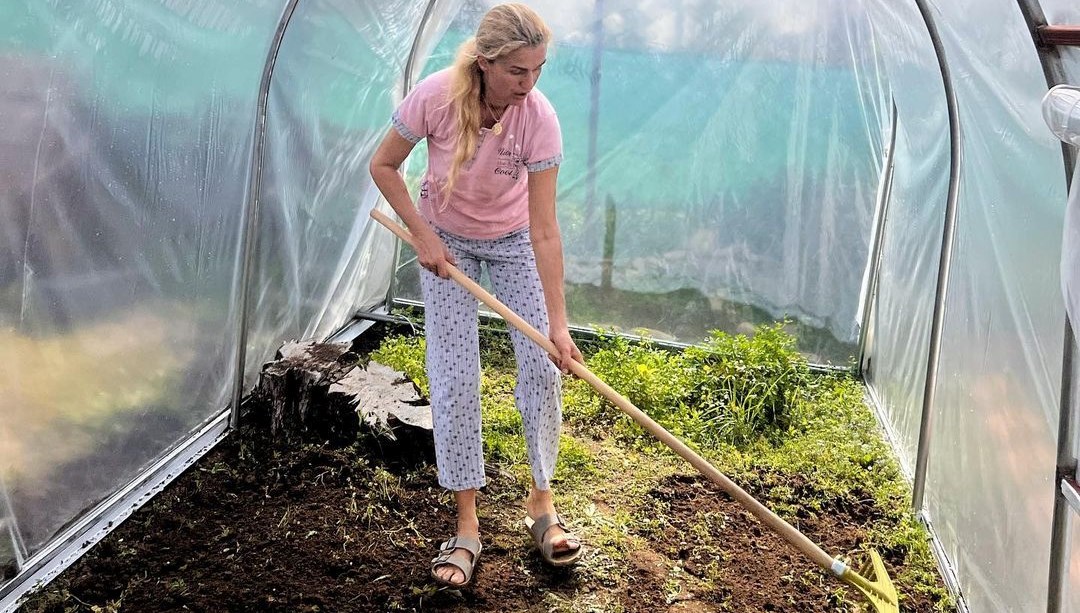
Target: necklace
{"type": "Point", "coordinates": [497, 128]}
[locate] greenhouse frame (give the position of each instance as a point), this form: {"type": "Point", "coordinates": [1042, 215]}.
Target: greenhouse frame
{"type": "Point", "coordinates": [184, 186]}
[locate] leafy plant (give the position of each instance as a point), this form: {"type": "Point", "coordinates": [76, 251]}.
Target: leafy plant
{"type": "Point", "coordinates": [405, 353]}
{"type": "Point", "coordinates": [732, 390]}
{"type": "Point", "coordinates": [747, 386]}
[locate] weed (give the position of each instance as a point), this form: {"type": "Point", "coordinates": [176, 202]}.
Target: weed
{"type": "Point", "coordinates": [405, 353]}
{"type": "Point", "coordinates": [177, 586]}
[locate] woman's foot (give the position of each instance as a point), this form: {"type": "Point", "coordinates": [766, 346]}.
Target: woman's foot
{"type": "Point", "coordinates": [449, 571]}
{"type": "Point", "coordinates": [539, 504]}
{"type": "Point", "coordinates": [456, 561]}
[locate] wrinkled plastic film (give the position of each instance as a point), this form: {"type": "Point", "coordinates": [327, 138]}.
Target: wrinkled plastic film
{"type": "Point", "coordinates": [1070, 271]}
{"type": "Point", "coordinates": [911, 245]}
{"type": "Point", "coordinates": [1070, 59]}
{"type": "Point", "coordinates": [1061, 12]}
{"type": "Point", "coordinates": [738, 151]}
{"type": "Point", "coordinates": [124, 159]}
{"type": "Point", "coordinates": [319, 257]}
{"type": "Point", "coordinates": [992, 455]}
{"type": "Point", "coordinates": [1071, 601]}
{"type": "Point", "coordinates": [1065, 12]}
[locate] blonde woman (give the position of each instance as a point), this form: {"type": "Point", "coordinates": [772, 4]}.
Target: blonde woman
{"type": "Point", "coordinates": [488, 200]}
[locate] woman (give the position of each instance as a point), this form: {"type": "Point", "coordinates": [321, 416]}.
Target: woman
{"type": "Point", "coordinates": [494, 149]}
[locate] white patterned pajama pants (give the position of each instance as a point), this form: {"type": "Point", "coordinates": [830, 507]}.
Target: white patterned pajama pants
{"type": "Point", "coordinates": [453, 359]}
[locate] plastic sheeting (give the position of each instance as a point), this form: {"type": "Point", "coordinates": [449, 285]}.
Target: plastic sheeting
{"type": "Point", "coordinates": [335, 81]}
{"type": "Point", "coordinates": [1070, 58]}
{"type": "Point", "coordinates": [1071, 602]}
{"type": "Point", "coordinates": [899, 330]}
{"type": "Point", "coordinates": [990, 483]}
{"type": "Point", "coordinates": [736, 147]}
{"type": "Point", "coordinates": [126, 163]}
{"type": "Point", "coordinates": [1061, 110]}
{"type": "Point", "coordinates": [1065, 12]}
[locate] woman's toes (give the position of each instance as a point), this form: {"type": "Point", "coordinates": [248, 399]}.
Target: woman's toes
{"type": "Point", "coordinates": [559, 542]}
{"type": "Point", "coordinates": [562, 544]}
{"type": "Point", "coordinates": [451, 574]}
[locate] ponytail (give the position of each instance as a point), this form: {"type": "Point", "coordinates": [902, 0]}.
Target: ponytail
{"type": "Point", "coordinates": [466, 90]}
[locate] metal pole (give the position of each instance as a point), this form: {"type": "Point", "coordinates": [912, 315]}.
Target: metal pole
{"type": "Point", "coordinates": [1065, 466]}
{"type": "Point", "coordinates": [249, 233]}
{"type": "Point", "coordinates": [947, 237]}
{"type": "Point", "coordinates": [407, 83]}
{"type": "Point", "coordinates": [876, 243]}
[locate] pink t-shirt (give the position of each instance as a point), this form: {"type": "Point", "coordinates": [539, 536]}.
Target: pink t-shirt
{"type": "Point", "coordinates": [491, 194]}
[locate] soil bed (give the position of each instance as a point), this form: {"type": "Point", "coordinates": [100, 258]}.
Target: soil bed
{"type": "Point", "coordinates": [258, 526]}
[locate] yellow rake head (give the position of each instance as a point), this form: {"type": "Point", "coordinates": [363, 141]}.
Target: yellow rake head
{"type": "Point", "coordinates": [880, 591]}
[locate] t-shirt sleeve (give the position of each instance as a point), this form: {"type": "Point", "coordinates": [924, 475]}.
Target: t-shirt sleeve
{"type": "Point", "coordinates": [545, 143]}
{"type": "Point", "coordinates": [410, 118]}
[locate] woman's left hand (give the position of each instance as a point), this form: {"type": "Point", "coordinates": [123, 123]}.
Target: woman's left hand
{"type": "Point", "coordinates": [568, 351]}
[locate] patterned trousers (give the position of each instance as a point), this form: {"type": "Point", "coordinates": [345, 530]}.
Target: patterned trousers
{"type": "Point", "coordinates": [453, 359]}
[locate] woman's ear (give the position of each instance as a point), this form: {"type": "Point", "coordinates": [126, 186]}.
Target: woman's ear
{"type": "Point", "coordinates": [483, 63]}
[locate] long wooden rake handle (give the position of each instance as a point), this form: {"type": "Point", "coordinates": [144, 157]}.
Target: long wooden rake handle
{"type": "Point", "coordinates": [772, 520]}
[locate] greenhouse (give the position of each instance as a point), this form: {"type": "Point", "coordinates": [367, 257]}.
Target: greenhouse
{"type": "Point", "coordinates": [878, 191]}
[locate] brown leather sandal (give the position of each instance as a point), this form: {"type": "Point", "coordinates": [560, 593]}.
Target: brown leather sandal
{"type": "Point", "coordinates": [546, 544]}
{"type": "Point", "coordinates": [446, 549]}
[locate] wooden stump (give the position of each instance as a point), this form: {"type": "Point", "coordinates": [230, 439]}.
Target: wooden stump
{"type": "Point", "coordinates": [318, 392]}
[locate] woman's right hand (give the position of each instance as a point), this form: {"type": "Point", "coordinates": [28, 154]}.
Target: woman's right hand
{"type": "Point", "coordinates": [432, 253]}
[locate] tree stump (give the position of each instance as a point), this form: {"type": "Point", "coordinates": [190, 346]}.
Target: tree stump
{"type": "Point", "coordinates": [318, 392]}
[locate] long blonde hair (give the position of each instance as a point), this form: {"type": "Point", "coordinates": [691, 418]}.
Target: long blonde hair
{"type": "Point", "coordinates": [504, 29]}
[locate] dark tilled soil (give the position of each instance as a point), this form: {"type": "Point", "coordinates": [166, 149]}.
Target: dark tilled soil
{"type": "Point", "coordinates": [254, 527]}
{"type": "Point", "coordinates": [751, 567]}
{"type": "Point", "coordinates": [258, 525]}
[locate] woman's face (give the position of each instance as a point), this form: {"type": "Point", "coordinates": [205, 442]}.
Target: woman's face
{"type": "Point", "coordinates": [508, 79]}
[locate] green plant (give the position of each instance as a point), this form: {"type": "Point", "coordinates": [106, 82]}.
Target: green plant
{"type": "Point", "coordinates": [732, 390]}
{"type": "Point", "coordinates": [746, 386]}
{"type": "Point", "coordinates": [405, 353]}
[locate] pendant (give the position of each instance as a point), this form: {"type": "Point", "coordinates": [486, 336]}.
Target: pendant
{"type": "Point", "coordinates": [497, 128]}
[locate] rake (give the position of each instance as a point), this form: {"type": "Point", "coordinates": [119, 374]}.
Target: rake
{"type": "Point", "coordinates": [879, 592]}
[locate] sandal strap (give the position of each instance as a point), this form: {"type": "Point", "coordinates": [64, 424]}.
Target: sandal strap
{"type": "Point", "coordinates": [541, 524]}
{"type": "Point", "coordinates": [539, 530]}
{"type": "Point", "coordinates": [468, 543]}
{"type": "Point", "coordinates": [446, 550]}
{"type": "Point", "coordinates": [466, 568]}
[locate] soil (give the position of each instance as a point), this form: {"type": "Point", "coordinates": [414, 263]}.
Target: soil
{"type": "Point", "coordinates": [260, 526]}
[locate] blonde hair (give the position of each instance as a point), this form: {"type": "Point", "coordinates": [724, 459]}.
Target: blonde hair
{"type": "Point", "coordinates": [504, 29]}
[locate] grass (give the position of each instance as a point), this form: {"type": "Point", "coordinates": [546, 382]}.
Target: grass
{"type": "Point", "coordinates": [802, 443]}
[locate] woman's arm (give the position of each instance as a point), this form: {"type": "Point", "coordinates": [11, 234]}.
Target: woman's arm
{"type": "Point", "coordinates": [430, 250]}
{"type": "Point", "coordinates": [547, 245]}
